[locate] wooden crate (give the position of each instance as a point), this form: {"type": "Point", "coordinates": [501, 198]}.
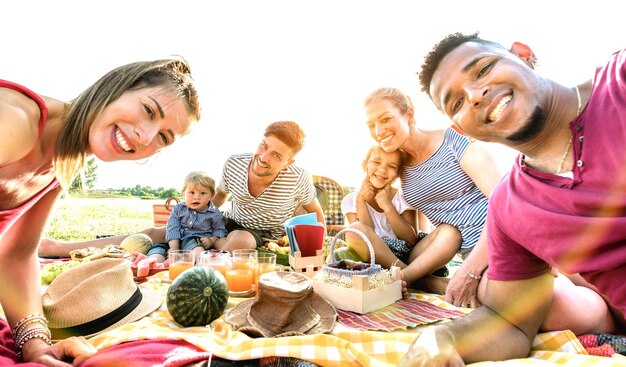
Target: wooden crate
{"type": "Point", "coordinates": [307, 265]}
{"type": "Point", "coordinates": [359, 298]}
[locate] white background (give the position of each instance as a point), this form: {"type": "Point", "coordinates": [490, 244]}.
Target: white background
{"type": "Point", "coordinates": [313, 62]}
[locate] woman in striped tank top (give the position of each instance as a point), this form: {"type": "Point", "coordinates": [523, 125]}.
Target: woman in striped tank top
{"type": "Point", "coordinates": [448, 179]}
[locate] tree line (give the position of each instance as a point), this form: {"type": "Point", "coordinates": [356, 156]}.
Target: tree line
{"type": "Point", "coordinates": [86, 179]}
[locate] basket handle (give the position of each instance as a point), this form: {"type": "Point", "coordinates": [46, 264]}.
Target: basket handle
{"type": "Point", "coordinates": [363, 236]}
{"type": "Point", "coordinates": [168, 202]}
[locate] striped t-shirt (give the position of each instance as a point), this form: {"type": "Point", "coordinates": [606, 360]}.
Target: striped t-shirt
{"type": "Point", "coordinates": [292, 187]}
{"type": "Point", "coordinates": [444, 192]}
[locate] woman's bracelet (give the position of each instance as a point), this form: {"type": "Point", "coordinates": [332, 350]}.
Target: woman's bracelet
{"type": "Point", "coordinates": [29, 320]}
{"type": "Point", "coordinates": [472, 275]}
{"type": "Point", "coordinates": [41, 332]}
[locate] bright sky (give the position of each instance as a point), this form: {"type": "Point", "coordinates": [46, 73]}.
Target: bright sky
{"type": "Point", "coordinates": [312, 62]}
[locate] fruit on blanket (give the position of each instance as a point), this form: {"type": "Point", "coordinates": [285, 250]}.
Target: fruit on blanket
{"type": "Point", "coordinates": [350, 265]}
{"type": "Point", "coordinates": [273, 246]}
{"type": "Point", "coordinates": [346, 253]}
{"type": "Point", "coordinates": [197, 296]}
{"type": "Point", "coordinates": [144, 266]}
{"type": "Point", "coordinates": [138, 242]}
{"type": "Point", "coordinates": [50, 271]}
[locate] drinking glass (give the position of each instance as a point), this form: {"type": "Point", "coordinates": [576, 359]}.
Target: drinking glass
{"type": "Point", "coordinates": [240, 272]}
{"type": "Point", "coordinates": [180, 260]}
{"type": "Point", "coordinates": [266, 263]}
{"type": "Point", "coordinates": [216, 259]}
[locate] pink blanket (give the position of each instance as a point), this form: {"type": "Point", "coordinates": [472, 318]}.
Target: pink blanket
{"type": "Point", "coordinates": [144, 353]}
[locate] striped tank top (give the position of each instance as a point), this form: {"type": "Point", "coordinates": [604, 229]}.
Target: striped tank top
{"type": "Point", "coordinates": [444, 192]}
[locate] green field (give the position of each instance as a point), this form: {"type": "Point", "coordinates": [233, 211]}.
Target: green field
{"type": "Point", "coordinates": [77, 219]}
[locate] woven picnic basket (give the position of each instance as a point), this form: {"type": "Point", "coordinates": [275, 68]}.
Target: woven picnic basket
{"type": "Point", "coordinates": [371, 270]}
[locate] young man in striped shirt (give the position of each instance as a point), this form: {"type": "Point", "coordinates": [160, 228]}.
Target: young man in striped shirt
{"type": "Point", "coordinates": [266, 189]}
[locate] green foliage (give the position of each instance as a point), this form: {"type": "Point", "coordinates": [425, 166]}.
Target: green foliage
{"type": "Point", "coordinates": [86, 178]}
{"type": "Point", "coordinates": [148, 192]}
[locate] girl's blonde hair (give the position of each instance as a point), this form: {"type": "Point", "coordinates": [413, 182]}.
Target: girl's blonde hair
{"type": "Point", "coordinates": [73, 140]}
{"type": "Point", "coordinates": [377, 148]}
{"type": "Point", "coordinates": [199, 178]}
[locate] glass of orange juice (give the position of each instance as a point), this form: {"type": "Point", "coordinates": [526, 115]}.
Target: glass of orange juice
{"type": "Point", "coordinates": [216, 259]}
{"type": "Point", "coordinates": [265, 263]}
{"type": "Point", "coordinates": [240, 272]}
{"type": "Point", "coordinates": [180, 260]}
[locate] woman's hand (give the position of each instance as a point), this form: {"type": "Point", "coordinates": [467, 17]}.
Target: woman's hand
{"type": "Point", "coordinates": [75, 349]}
{"type": "Point", "coordinates": [462, 290]}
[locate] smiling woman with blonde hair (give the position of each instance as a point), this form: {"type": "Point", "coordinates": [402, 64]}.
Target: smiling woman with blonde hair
{"type": "Point", "coordinates": [446, 177]}
{"type": "Point", "coordinates": [131, 113]}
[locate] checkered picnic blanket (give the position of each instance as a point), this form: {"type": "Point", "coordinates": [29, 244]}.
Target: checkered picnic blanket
{"type": "Point", "coordinates": [345, 347]}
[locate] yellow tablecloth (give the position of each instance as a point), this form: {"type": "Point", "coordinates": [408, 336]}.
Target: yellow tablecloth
{"type": "Point", "coordinates": [342, 347]}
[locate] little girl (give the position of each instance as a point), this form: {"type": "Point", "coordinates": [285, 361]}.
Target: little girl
{"type": "Point", "coordinates": [380, 211]}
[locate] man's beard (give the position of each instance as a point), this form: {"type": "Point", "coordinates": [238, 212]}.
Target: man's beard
{"type": "Point", "coordinates": [533, 126]}
{"type": "Point", "coordinates": [257, 170]}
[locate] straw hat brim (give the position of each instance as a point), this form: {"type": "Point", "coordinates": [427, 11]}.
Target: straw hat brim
{"type": "Point", "coordinates": [238, 318]}
{"type": "Point", "coordinates": [150, 302]}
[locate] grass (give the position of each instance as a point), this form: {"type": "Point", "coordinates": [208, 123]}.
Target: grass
{"type": "Point", "coordinates": [79, 219]}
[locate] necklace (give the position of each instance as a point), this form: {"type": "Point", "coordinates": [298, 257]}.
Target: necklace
{"type": "Point", "coordinates": [569, 143]}
{"type": "Point", "coordinates": [580, 102]}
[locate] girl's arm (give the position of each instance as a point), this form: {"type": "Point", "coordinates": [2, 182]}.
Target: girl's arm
{"type": "Point", "coordinates": [366, 192]}
{"type": "Point", "coordinates": [401, 224]}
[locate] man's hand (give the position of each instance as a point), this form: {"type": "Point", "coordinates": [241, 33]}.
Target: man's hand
{"type": "Point", "coordinates": [462, 290]}
{"type": "Point", "coordinates": [432, 348]}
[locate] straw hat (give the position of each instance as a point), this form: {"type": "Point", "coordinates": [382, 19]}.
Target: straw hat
{"type": "Point", "coordinates": [285, 305]}
{"type": "Point", "coordinates": [95, 297]}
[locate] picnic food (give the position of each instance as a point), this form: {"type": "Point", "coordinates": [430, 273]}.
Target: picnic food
{"type": "Point", "coordinates": [346, 253]}
{"type": "Point", "coordinates": [278, 249]}
{"type": "Point", "coordinates": [197, 296]}
{"type": "Point", "coordinates": [94, 253]}
{"type": "Point", "coordinates": [50, 271]}
{"type": "Point", "coordinates": [144, 265]}
{"type": "Point", "coordinates": [138, 242]}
